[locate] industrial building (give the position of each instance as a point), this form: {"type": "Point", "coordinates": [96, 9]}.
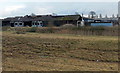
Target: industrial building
{"type": "Point", "coordinates": [42, 20]}
{"type": "Point", "coordinates": [58, 20]}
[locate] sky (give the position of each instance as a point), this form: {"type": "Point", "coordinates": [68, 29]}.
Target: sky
{"type": "Point", "coordinates": [59, 0]}
{"type": "Point", "coordinates": [10, 8]}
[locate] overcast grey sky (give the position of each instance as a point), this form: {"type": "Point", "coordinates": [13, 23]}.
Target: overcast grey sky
{"type": "Point", "coordinates": [59, 0]}
{"type": "Point", "coordinates": [10, 8]}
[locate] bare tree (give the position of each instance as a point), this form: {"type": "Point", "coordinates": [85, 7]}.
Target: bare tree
{"type": "Point", "coordinates": [82, 14]}
{"type": "Point", "coordinates": [117, 16]}
{"type": "Point", "coordinates": [106, 16]}
{"type": "Point", "coordinates": [113, 16]}
{"type": "Point", "coordinates": [100, 16]}
{"type": "Point", "coordinates": [88, 16]}
{"type": "Point", "coordinates": [96, 16]}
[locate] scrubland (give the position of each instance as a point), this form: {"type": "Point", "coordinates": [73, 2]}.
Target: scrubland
{"type": "Point", "coordinates": [30, 51]}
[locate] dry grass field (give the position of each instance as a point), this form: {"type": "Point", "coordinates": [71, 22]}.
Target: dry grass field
{"type": "Point", "coordinates": [59, 52]}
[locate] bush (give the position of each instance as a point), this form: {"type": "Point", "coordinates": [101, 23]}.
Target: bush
{"type": "Point", "coordinates": [50, 30]}
{"type": "Point", "coordinates": [97, 28]}
{"type": "Point", "coordinates": [5, 28]}
{"type": "Point", "coordinates": [20, 32]}
{"type": "Point", "coordinates": [33, 29]}
{"type": "Point", "coordinates": [68, 26]}
{"type": "Point", "coordinates": [67, 29]}
{"type": "Point", "coordinates": [46, 30]}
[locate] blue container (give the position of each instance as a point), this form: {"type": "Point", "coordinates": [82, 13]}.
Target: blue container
{"type": "Point", "coordinates": [101, 24]}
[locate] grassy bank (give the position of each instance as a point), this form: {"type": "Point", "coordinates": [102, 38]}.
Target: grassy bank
{"type": "Point", "coordinates": [98, 31]}
{"type": "Point", "coordinates": [63, 52]}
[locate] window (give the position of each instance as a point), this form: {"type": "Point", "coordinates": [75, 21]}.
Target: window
{"type": "Point", "coordinates": [41, 23]}
{"type": "Point", "coordinates": [32, 23]}
{"type": "Point", "coordinates": [20, 23]}
{"type": "Point", "coordinates": [78, 22]}
{"type": "Point", "coordinates": [15, 23]}
{"type": "Point", "coordinates": [12, 24]}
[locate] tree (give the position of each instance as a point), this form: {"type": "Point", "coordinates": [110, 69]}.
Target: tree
{"type": "Point", "coordinates": [92, 13]}
{"type": "Point", "coordinates": [76, 13]}
{"type": "Point", "coordinates": [32, 14]}
{"type": "Point", "coordinates": [106, 16]}
{"type": "Point", "coordinates": [96, 16]}
{"type": "Point", "coordinates": [113, 16]}
{"type": "Point", "coordinates": [88, 16]}
{"type": "Point", "coordinates": [117, 16]}
{"type": "Point", "coordinates": [100, 16]}
{"type": "Point", "coordinates": [54, 14]}
{"type": "Point", "coordinates": [82, 14]}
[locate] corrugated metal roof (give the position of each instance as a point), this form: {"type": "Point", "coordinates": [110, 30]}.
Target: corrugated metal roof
{"type": "Point", "coordinates": [44, 18]}
{"type": "Point", "coordinates": [7, 19]}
